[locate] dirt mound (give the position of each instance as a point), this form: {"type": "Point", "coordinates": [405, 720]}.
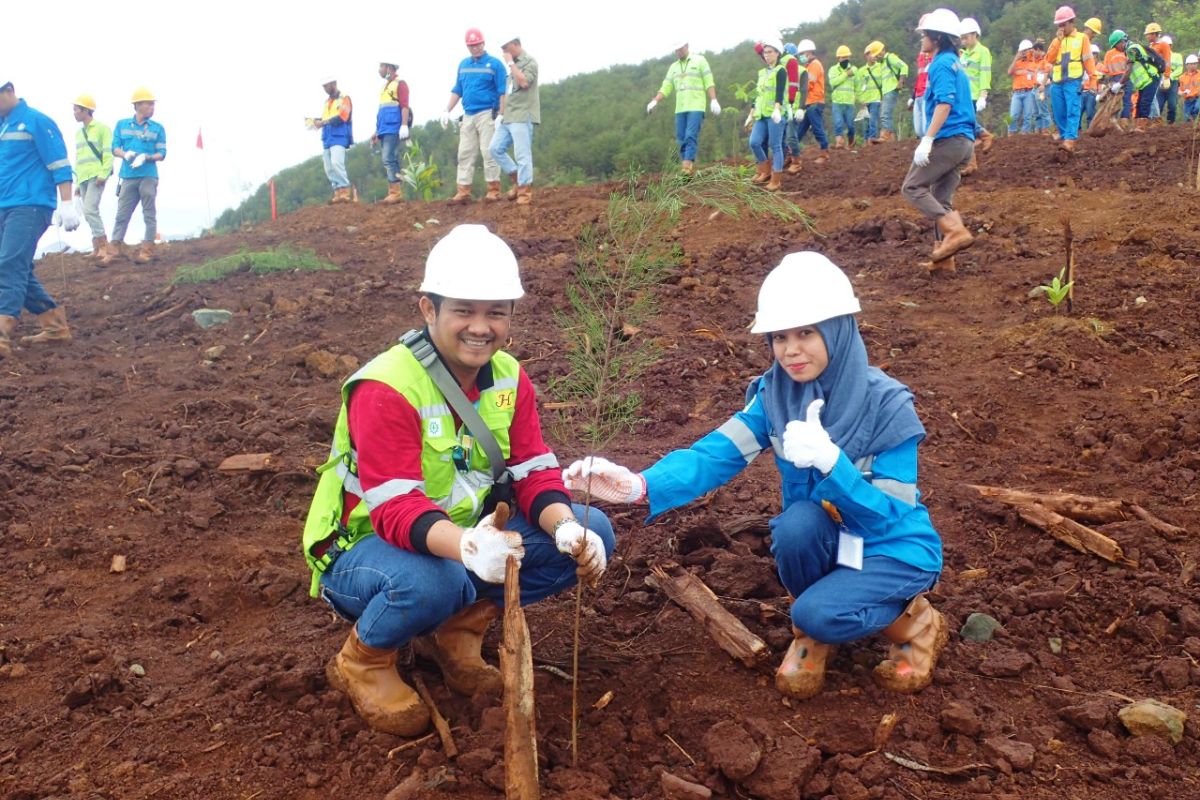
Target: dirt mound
{"type": "Point", "coordinates": [197, 670]}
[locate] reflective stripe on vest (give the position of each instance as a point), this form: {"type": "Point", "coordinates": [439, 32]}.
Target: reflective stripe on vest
{"type": "Point", "coordinates": [764, 101]}
{"type": "Point", "coordinates": [1070, 58]}
{"type": "Point", "coordinates": [1144, 72]}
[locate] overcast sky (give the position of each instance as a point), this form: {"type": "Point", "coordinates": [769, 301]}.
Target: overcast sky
{"type": "Point", "coordinates": [248, 73]}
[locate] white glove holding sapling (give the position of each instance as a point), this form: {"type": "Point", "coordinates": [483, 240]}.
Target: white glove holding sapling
{"type": "Point", "coordinates": [650, 106]}
{"type": "Point", "coordinates": [749, 120]}
{"type": "Point", "coordinates": [714, 107]}
{"type": "Point", "coordinates": [921, 154]}
{"type": "Point", "coordinates": [485, 550]}
{"type": "Point", "coordinates": [807, 444]}
{"type": "Point", "coordinates": [605, 480]}
{"type": "Point", "coordinates": [585, 546]}
{"type": "Point", "coordinates": [66, 216]}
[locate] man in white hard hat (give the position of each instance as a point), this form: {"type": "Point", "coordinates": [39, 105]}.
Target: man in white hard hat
{"type": "Point", "coordinates": [392, 123]}
{"type": "Point", "coordinates": [336, 124]}
{"type": "Point", "coordinates": [976, 61]}
{"type": "Point", "coordinates": [403, 535]}
{"type": "Point", "coordinates": [1189, 87]}
{"type": "Point", "coordinates": [1022, 109]}
{"type": "Point", "coordinates": [691, 79]}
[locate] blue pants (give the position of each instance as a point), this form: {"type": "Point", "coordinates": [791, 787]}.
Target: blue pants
{"type": "Point", "coordinates": [1042, 120]}
{"type": "Point", "coordinates": [1127, 101]}
{"type": "Point", "coordinates": [1146, 99]}
{"type": "Point", "coordinates": [836, 604]}
{"type": "Point", "coordinates": [814, 120]}
{"type": "Point", "coordinates": [843, 120]}
{"type": "Point", "coordinates": [919, 123]}
{"type": "Point", "coordinates": [873, 120]}
{"type": "Point", "coordinates": [1022, 110]}
{"type": "Point", "coordinates": [1087, 109]}
{"type": "Point", "coordinates": [20, 229]}
{"type": "Point", "coordinates": [791, 137]}
{"type": "Point", "coordinates": [1191, 108]}
{"type": "Point", "coordinates": [887, 110]}
{"type": "Point", "coordinates": [390, 144]}
{"type": "Point", "coordinates": [1065, 102]}
{"type": "Point", "coordinates": [687, 133]}
{"type": "Point", "coordinates": [520, 136]}
{"type": "Point", "coordinates": [767, 134]}
{"type": "Point", "coordinates": [1172, 101]}
{"type": "Point", "coordinates": [335, 168]}
{"type": "Point", "coordinates": [396, 595]}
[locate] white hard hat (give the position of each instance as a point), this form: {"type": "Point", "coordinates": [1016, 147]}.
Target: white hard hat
{"type": "Point", "coordinates": [390, 62]}
{"type": "Point", "coordinates": [512, 37]}
{"type": "Point", "coordinates": [679, 44]}
{"type": "Point", "coordinates": [774, 43]}
{"type": "Point", "coordinates": [1166, 39]}
{"type": "Point", "coordinates": [328, 79]}
{"type": "Point", "coordinates": [941, 20]}
{"type": "Point", "coordinates": [1095, 48]}
{"type": "Point", "coordinates": [806, 46]}
{"type": "Point", "coordinates": [1024, 45]}
{"type": "Point", "coordinates": [806, 288]}
{"type": "Point", "coordinates": [969, 25]}
{"type": "Point", "coordinates": [1192, 59]}
{"type": "Point", "coordinates": [472, 263]}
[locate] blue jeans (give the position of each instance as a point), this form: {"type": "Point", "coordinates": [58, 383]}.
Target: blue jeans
{"type": "Point", "coordinates": [1146, 98]}
{"type": "Point", "coordinates": [1022, 110]}
{"type": "Point", "coordinates": [395, 595]}
{"type": "Point", "coordinates": [919, 125]}
{"type": "Point", "coordinates": [836, 604]}
{"type": "Point", "coordinates": [873, 120]}
{"type": "Point", "coordinates": [1191, 108]}
{"type": "Point", "coordinates": [1127, 101]}
{"type": "Point", "coordinates": [1172, 101]}
{"type": "Point", "coordinates": [390, 144]}
{"type": "Point", "coordinates": [1042, 120]}
{"type": "Point", "coordinates": [520, 136]}
{"type": "Point", "coordinates": [335, 166]}
{"type": "Point", "coordinates": [843, 120]}
{"type": "Point", "coordinates": [768, 134]}
{"type": "Point", "coordinates": [687, 133]}
{"type": "Point", "coordinates": [1087, 109]}
{"type": "Point", "coordinates": [20, 229]}
{"type": "Point", "coordinates": [887, 111]}
{"type": "Point", "coordinates": [814, 120]}
{"type": "Point", "coordinates": [791, 137]}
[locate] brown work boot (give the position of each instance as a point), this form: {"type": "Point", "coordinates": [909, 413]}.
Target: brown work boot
{"type": "Point", "coordinates": [525, 195]}
{"type": "Point", "coordinates": [493, 191]}
{"type": "Point", "coordinates": [839, 143]}
{"type": "Point", "coordinates": [116, 251]}
{"type": "Point", "coordinates": [775, 183]}
{"type": "Point", "coordinates": [1068, 145]}
{"type": "Point", "coordinates": [145, 253]}
{"type": "Point", "coordinates": [762, 172]}
{"type": "Point", "coordinates": [971, 167]}
{"type": "Point", "coordinates": [687, 167]}
{"type": "Point", "coordinates": [795, 168]}
{"type": "Point", "coordinates": [955, 236]}
{"type": "Point", "coordinates": [514, 191]}
{"type": "Point", "coordinates": [53, 328]}
{"type": "Point", "coordinates": [99, 245]}
{"type": "Point", "coordinates": [986, 140]}
{"type": "Point", "coordinates": [946, 265]}
{"type": "Point", "coordinates": [918, 636]}
{"type": "Point", "coordinates": [368, 677]}
{"type": "Point", "coordinates": [802, 673]}
{"type": "Point", "coordinates": [395, 194]}
{"type": "Point", "coordinates": [457, 646]}
{"type": "Point", "coordinates": [887, 136]}
{"type": "Point", "coordinates": [7, 326]}
{"type": "Point", "coordinates": [462, 196]}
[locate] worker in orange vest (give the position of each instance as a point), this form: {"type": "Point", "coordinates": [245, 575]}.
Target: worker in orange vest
{"type": "Point", "coordinates": [1189, 87]}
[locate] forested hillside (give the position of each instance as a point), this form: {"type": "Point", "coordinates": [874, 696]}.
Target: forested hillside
{"type": "Point", "coordinates": [595, 125]}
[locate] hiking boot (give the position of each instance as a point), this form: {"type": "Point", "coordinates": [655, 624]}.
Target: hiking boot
{"type": "Point", "coordinates": [368, 677]}
{"type": "Point", "coordinates": [795, 168]}
{"type": "Point", "coordinates": [456, 646]}
{"type": "Point", "coordinates": [525, 195]}
{"type": "Point", "coordinates": [99, 245]}
{"type": "Point", "coordinates": [53, 328]}
{"type": "Point", "coordinates": [513, 187]}
{"type": "Point", "coordinates": [116, 251]}
{"type": "Point", "coordinates": [145, 253]}
{"type": "Point", "coordinates": [887, 136]}
{"type": "Point", "coordinates": [775, 183]}
{"type": "Point", "coordinates": [687, 167]}
{"type": "Point", "coordinates": [839, 143]}
{"type": "Point", "coordinates": [918, 636]}
{"type": "Point", "coordinates": [395, 194]}
{"type": "Point", "coordinates": [802, 673]}
{"type": "Point", "coordinates": [462, 196]}
{"type": "Point", "coordinates": [955, 236]}
{"type": "Point", "coordinates": [493, 191]}
{"type": "Point", "coordinates": [946, 265]}
{"type": "Point", "coordinates": [762, 172]}
{"type": "Point", "coordinates": [986, 140]}
{"type": "Point", "coordinates": [7, 326]}
{"type": "Point", "coordinates": [1068, 145]}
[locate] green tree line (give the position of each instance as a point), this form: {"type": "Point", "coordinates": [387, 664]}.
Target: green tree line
{"type": "Point", "coordinates": [595, 125]}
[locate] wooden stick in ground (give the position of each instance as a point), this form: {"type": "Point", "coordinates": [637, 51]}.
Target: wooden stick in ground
{"type": "Point", "coordinates": [698, 600]}
{"type": "Point", "coordinates": [1073, 534]}
{"type": "Point", "coordinates": [1070, 263]}
{"type": "Point", "coordinates": [1077, 506]}
{"type": "Point", "coordinates": [439, 722]}
{"type": "Point", "coordinates": [516, 665]}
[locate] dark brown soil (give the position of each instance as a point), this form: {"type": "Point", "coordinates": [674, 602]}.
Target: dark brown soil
{"type": "Point", "coordinates": [109, 446]}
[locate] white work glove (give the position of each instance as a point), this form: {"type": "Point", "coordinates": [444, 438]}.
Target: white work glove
{"type": "Point", "coordinates": [910, 104]}
{"type": "Point", "coordinates": [981, 103]}
{"type": "Point", "coordinates": [586, 547]}
{"type": "Point", "coordinates": [444, 118]}
{"type": "Point", "coordinates": [650, 106]}
{"type": "Point", "coordinates": [799, 116]}
{"type": "Point", "coordinates": [605, 480]}
{"type": "Point", "coordinates": [1041, 79]}
{"type": "Point", "coordinates": [1165, 83]}
{"type": "Point", "coordinates": [749, 120]}
{"type": "Point", "coordinates": [807, 444]}
{"type": "Point", "coordinates": [1115, 88]}
{"type": "Point", "coordinates": [137, 161]}
{"type": "Point", "coordinates": [66, 216]}
{"type": "Point", "coordinates": [861, 115]}
{"type": "Point", "coordinates": [403, 131]}
{"type": "Point", "coordinates": [499, 120]}
{"type": "Point", "coordinates": [921, 154]}
{"type": "Point", "coordinates": [485, 550]}
{"type": "Point", "coordinates": [714, 107]}
{"type": "Point", "coordinates": [777, 115]}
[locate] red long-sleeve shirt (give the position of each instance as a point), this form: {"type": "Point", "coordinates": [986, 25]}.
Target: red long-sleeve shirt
{"type": "Point", "coordinates": [387, 433]}
{"type": "Point", "coordinates": [923, 61]}
{"type": "Point", "coordinates": [793, 76]}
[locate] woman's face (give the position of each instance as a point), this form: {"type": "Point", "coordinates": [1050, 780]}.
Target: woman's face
{"type": "Point", "coordinates": [926, 43]}
{"type": "Point", "coordinates": [770, 55]}
{"type": "Point", "coordinates": [801, 352]}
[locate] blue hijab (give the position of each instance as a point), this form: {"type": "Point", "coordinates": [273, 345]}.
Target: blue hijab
{"type": "Point", "coordinates": [866, 412]}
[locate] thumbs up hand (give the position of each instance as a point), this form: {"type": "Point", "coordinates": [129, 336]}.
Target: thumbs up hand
{"type": "Point", "coordinates": [807, 444]}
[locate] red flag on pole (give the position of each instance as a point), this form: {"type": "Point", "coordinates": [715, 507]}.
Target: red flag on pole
{"type": "Point", "coordinates": [199, 139]}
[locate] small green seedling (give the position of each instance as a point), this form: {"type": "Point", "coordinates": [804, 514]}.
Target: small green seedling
{"type": "Point", "coordinates": [1057, 290]}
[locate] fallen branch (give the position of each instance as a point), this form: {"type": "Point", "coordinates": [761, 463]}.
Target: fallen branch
{"type": "Point", "coordinates": [516, 664]}
{"type": "Point", "coordinates": [698, 600]}
{"type": "Point", "coordinates": [1076, 506]}
{"type": "Point", "coordinates": [165, 312]}
{"type": "Point", "coordinates": [439, 722]}
{"type": "Point", "coordinates": [965, 769]}
{"type": "Point", "coordinates": [1165, 528]}
{"type": "Point", "coordinates": [248, 462]}
{"type": "Point", "coordinates": [409, 745]}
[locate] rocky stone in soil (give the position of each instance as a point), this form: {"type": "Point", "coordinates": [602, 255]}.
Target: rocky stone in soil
{"type": "Point", "coordinates": [1018, 754]}
{"type": "Point", "coordinates": [1153, 718]}
{"type": "Point", "coordinates": [678, 789]}
{"type": "Point", "coordinates": [958, 718]}
{"type": "Point", "coordinates": [848, 787]}
{"type": "Point", "coordinates": [1005, 663]}
{"type": "Point", "coordinates": [789, 765]}
{"type": "Point", "coordinates": [1104, 744]}
{"type": "Point", "coordinates": [979, 627]}
{"type": "Point", "coordinates": [732, 750]}
{"type": "Point", "coordinates": [1086, 716]}
{"type": "Point", "coordinates": [1175, 673]}
{"type": "Point", "coordinates": [1150, 750]}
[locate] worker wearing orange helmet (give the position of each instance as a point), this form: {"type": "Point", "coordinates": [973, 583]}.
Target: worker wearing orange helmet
{"type": "Point", "coordinates": [481, 85]}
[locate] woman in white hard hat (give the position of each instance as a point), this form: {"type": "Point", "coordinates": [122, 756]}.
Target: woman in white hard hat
{"type": "Point", "coordinates": [949, 141]}
{"type": "Point", "coordinates": [766, 118]}
{"type": "Point", "coordinates": [853, 544]}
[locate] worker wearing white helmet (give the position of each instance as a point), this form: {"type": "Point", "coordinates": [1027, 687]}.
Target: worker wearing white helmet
{"type": "Point", "coordinates": [409, 531]}
{"type": "Point", "coordinates": [691, 79]}
{"type": "Point", "coordinates": [949, 141]}
{"type": "Point", "coordinates": [336, 124]}
{"type": "Point", "coordinates": [1189, 87]}
{"type": "Point", "coordinates": [392, 123]}
{"type": "Point", "coordinates": [1090, 95]}
{"type": "Point", "coordinates": [977, 63]}
{"type": "Point", "coordinates": [1022, 108]}
{"type": "Point", "coordinates": [1169, 96]}
{"type": "Point", "coordinates": [853, 544]}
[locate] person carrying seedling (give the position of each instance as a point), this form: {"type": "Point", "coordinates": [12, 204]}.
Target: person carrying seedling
{"type": "Point", "coordinates": [765, 119]}
{"type": "Point", "coordinates": [392, 122]}
{"type": "Point", "coordinates": [1022, 109]}
{"type": "Point", "coordinates": [842, 82]}
{"type": "Point", "coordinates": [949, 141]}
{"type": "Point", "coordinates": [1189, 87]}
{"type": "Point", "coordinates": [853, 543]}
{"type": "Point", "coordinates": [1070, 57]}
{"type": "Point", "coordinates": [691, 79]}
{"type": "Point", "coordinates": [437, 440]}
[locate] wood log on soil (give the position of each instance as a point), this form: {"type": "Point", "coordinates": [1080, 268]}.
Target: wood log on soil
{"type": "Point", "coordinates": [248, 462]}
{"type": "Point", "coordinates": [1076, 506]}
{"type": "Point", "coordinates": [698, 600]}
{"type": "Point", "coordinates": [516, 664]}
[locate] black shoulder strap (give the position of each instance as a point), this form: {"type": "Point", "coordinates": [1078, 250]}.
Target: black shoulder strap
{"type": "Point", "coordinates": [423, 350]}
{"type": "Point", "coordinates": [89, 144]}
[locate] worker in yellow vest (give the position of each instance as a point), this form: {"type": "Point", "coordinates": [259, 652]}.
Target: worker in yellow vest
{"type": "Point", "coordinates": [93, 167]}
{"type": "Point", "coordinates": [1070, 55]}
